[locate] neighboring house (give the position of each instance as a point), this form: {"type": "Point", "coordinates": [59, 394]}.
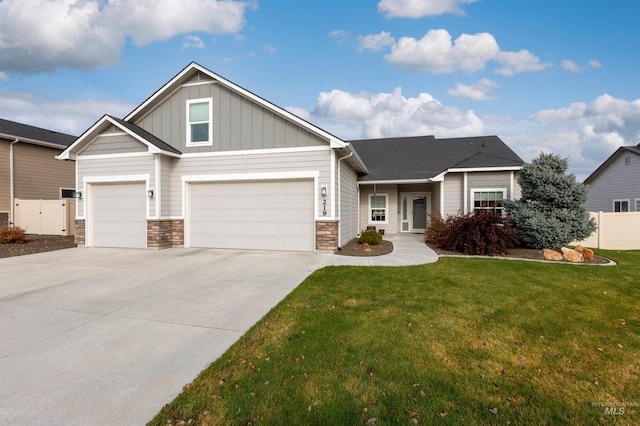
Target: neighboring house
{"type": "Point", "coordinates": [206, 163]}
{"type": "Point", "coordinates": [29, 169]}
{"type": "Point", "coordinates": [410, 178]}
{"type": "Point", "coordinates": [615, 185]}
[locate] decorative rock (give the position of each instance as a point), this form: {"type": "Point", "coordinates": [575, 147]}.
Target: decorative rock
{"type": "Point", "coordinates": [588, 254]}
{"type": "Point", "coordinates": [579, 248]}
{"type": "Point", "coordinates": [552, 255]}
{"type": "Point", "coordinates": [572, 255]}
{"type": "Point", "coordinates": [366, 246]}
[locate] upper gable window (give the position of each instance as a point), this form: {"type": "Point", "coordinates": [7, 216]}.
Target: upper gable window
{"type": "Point", "coordinates": [199, 122]}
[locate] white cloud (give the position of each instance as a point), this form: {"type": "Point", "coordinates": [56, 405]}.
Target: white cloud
{"type": "Point", "coordinates": [66, 115]}
{"type": "Point", "coordinates": [477, 92]}
{"type": "Point", "coordinates": [594, 63]}
{"type": "Point", "coordinates": [376, 115]}
{"type": "Point", "coordinates": [571, 66]}
{"type": "Point", "coordinates": [340, 36]}
{"type": "Point", "coordinates": [436, 53]}
{"type": "Point", "coordinates": [420, 8]}
{"type": "Point", "coordinates": [300, 112]}
{"type": "Point", "coordinates": [518, 62]}
{"type": "Point", "coordinates": [270, 49]}
{"type": "Point", "coordinates": [3, 77]}
{"type": "Point", "coordinates": [192, 41]}
{"type": "Point", "coordinates": [375, 42]}
{"type": "Point", "coordinates": [587, 133]}
{"type": "Point", "coordinates": [42, 35]}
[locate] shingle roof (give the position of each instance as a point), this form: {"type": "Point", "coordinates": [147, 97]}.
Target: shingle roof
{"type": "Point", "coordinates": [632, 149]}
{"type": "Point", "coordinates": [424, 157]}
{"type": "Point", "coordinates": [159, 143]}
{"type": "Point", "coordinates": [19, 130]}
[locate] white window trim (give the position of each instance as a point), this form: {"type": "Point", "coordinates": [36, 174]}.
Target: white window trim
{"type": "Point", "coordinates": [473, 196]}
{"type": "Point", "coordinates": [386, 210]}
{"type": "Point", "coordinates": [637, 204]}
{"type": "Point", "coordinates": [209, 142]}
{"type": "Point", "coordinates": [621, 200]}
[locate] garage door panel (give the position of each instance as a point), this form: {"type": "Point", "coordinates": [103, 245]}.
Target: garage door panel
{"type": "Point", "coordinates": [264, 215]}
{"type": "Point", "coordinates": [119, 215]}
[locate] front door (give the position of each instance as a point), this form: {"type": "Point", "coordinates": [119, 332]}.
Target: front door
{"type": "Point", "coordinates": [415, 210]}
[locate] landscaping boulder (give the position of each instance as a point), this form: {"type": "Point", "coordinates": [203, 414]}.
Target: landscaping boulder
{"type": "Point", "coordinates": [586, 252]}
{"type": "Point", "coordinates": [552, 255]}
{"type": "Point", "coordinates": [572, 255]}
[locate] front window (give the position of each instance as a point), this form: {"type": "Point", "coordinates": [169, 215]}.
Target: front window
{"type": "Point", "coordinates": [620, 205]}
{"type": "Point", "coordinates": [486, 199]}
{"type": "Point", "coordinates": [378, 208]}
{"type": "Point", "coordinates": [199, 119]}
{"type": "Point", "coordinates": [638, 204]}
{"type": "Point", "coordinates": [67, 193]}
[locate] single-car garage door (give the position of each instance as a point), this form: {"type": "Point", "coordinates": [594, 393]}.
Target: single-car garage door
{"type": "Point", "coordinates": [119, 215]}
{"type": "Point", "coordinates": [260, 215]}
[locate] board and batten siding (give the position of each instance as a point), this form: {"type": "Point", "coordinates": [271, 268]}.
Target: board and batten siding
{"type": "Point", "coordinates": [616, 182]}
{"type": "Point", "coordinates": [114, 143]}
{"type": "Point", "coordinates": [238, 123]}
{"type": "Point", "coordinates": [5, 176]}
{"type": "Point", "coordinates": [295, 161]}
{"type": "Point", "coordinates": [38, 175]}
{"type": "Point", "coordinates": [113, 168]}
{"type": "Point", "coordinates": [348, 193]}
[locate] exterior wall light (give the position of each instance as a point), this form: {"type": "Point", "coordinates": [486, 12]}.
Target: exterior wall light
{"type": "Point", "coordinates": [77, 194]}
{"type": "Point", "coordinates": [150, 193]}
{"type": "Point", "coordinates": [323, 190]}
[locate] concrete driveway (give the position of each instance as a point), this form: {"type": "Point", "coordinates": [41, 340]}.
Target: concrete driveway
{"type": "Point", "coordinates": [108, 336]}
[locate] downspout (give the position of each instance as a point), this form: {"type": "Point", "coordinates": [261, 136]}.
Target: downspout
{"type": "Point", "coordinates": [339, 197]}
{"type": "Point", "coordinates": [11, 181]}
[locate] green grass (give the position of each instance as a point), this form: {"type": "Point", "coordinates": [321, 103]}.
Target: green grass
{"type": "Point", "coordinates": [442, 343]}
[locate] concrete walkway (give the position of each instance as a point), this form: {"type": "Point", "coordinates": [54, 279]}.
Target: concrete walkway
{"type": "Point", "coordinates": [408, 250]}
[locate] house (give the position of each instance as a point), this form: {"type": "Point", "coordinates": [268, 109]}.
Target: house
{"type": "Point", "coordinates": [615, 185]}
{"type": "Point", "coordinates": [206, 163]}
{"type": "Point", "coordinates": [29, 170]}
{"type": "Point", "coordinates": [412, 177]}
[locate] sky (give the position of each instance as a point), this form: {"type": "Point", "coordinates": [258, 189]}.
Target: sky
{"type": "Point", "coordinates": [549, 76]}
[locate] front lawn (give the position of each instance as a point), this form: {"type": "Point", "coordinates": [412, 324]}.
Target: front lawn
{"type": "Point", "coordinates": [461, 341]}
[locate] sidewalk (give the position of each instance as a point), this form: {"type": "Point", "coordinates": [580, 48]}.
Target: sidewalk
{"type": "Point", "coordinates": [408, 250]}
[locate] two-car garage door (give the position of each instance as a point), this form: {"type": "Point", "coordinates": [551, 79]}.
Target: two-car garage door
{"type": "Point", "coordinates": [261, 215]}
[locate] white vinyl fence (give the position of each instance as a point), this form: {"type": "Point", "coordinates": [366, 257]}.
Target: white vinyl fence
{"type": "Point", "coordinates": [45, 217]}
{"type": "Point", "coordinates": [616, 231]}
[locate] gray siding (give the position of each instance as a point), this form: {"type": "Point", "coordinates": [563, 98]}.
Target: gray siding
{"type": "Point", "coordinates": [250, 163]}
{"type": "Point", "coordinates": [38, 175]}
{"type": "Point", "coordinates": [348, 188]}
{"type": "Point", "coordinates": [453, 189]}
{"type": "Point", "coordinates": [616, 182]}
{"type": "Point", "coordinates": [115, 143]}
{"type": "Point", "coordinates": [5, 177]}
{"type": "Point", "coordinates": [238, 123]}
{"type": "Point", "coordinates": [114, 167]}
{"type": "Point", "coordinates": [167, 166]}
{"type": "Point", "coordinates": [478, 180]}
{"type": "Point", "coordinates": [392, 203]}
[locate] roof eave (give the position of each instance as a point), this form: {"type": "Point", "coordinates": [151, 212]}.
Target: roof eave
{"type": "Point", "coordinates": [33, 141]}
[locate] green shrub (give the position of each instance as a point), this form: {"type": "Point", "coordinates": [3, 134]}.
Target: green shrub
{"type": "Point", "coordinates": [371, 237]}
{"type": "Point", "coordinates": [436, 229]}
{"type": "Point", "coordinates": [12, 235]}
{"type": "Point", "coordinates": [483, 232]}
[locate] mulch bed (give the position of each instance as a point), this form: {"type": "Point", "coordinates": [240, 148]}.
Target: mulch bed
{"type": "Point", "coordinates": [354, 248]}
{"type": "Point", "coordinates": [36, 244]}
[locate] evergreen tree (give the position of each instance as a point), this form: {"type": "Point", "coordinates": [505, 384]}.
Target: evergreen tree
{"type": "Point", "coordinates": [550, 213]}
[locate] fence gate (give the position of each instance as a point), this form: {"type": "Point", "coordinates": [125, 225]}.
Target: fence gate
{"type": "Point", "coordinates": [44, 217]}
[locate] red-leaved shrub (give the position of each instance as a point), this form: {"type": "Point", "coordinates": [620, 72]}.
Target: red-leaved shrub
{"type": "Point", "coordinates": [12, 235]}
{"type": "Point", "coordinates": [482, 232]}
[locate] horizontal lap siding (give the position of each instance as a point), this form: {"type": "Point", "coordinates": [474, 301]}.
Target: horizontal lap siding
{"type": "Point", "coordinates": [5, 177]}
{"type": "Point", "coordinates": [38, 175]}
{"type": "Point", "coordinates": [238, 123]}
{"type": "Point", "coordinates": [616, 182]}
{"type": "Point", "coordinates": [453, 189]}
{"type": "Point", "coordinates": [114, 144]}
{"type": "Point", "coordinates": [392, 203]}
{"type": "Point", "coordinates": [248, 163]}
{"type": "Point", "coordinates": [348, 203]}
{"type": "Point", "coordinates": [114, 167]}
